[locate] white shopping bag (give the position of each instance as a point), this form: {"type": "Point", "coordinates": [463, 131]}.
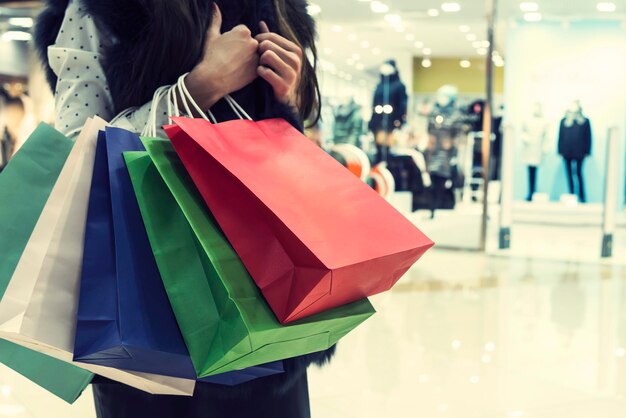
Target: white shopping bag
{"type": "Point", "coordinates": [39, 307]}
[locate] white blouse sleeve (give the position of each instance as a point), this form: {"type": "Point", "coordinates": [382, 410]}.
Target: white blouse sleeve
{"type": "Point", "coordinates": [82, 91]}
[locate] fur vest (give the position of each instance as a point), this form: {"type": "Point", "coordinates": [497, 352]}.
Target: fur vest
{"type": "Point", "coordinates": [137, 31]}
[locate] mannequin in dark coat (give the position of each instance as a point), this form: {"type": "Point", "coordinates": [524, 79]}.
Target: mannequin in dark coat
{"type": "Point", "coordinates": [134, 31]}
{"type": "Point", "coordinates": [390, 108]}
{"type": "Point", "coordinates": [574, 146]}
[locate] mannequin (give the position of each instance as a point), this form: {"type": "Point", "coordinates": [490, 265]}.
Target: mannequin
{"type": "Point", "coordinates": [348, 125]}
{"type": "Point", "coordinates": [390, 109]}
{"type": "Point", "coordinates": [534, 135]}
{"type": "Point", "coordinates": [575, 145]}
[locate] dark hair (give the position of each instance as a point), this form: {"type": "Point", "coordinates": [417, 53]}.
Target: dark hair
{"type": "Point", "coordinates": [182, 43]}
{"type": "Point", "coordinates": [289, 17]}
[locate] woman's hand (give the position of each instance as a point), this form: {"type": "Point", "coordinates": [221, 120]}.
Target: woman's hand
{"type": "Point", "coordinates": [280, 65]}
{"type": "Point", "coordinates": [229, 63]}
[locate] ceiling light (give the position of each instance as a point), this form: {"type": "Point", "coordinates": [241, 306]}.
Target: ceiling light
{"type": "Point", "coordinates": [352, 37]}
{"type": "Point", "coordinates": [532, 17]}
{"type": "Point", "coordinates": [337, 28]}
{"type": "Point", "coordinates": [474, 380]}
{"type": "Point", "coordinates": [451, 7]}
{"type": "Point", "coordinates": [410, 37]}
{"type": "Point", "coordinates": [486, 44]}
{"type": "Point", "coordinates": [477, 44]}
{"type": "Point", "coordinates": [471, 37]}
{"type": "Point", "coordinates": [464, 28]}
{"type": "Point", "coordinates": [465, 64]}
{"type": "Point", "coordinates": [376, 51]}
{"type": "Point", "coordinates": [379, 7]}
{"type": "Point", "coordinates": [393, 18]}
{"type": "Point", "coordinates": [365, 44]}
{"type": "Point", "coordinates": [481, 51]}
{"type": "Point", "coordinates": [433, 12]}
{"type": "Point", "coordinates": [490, 347]}
{"type": "Point", "coordinates": [515, 414]}
{"type": "Point", "coordinates": [313, 9]}
{"type": "Point", "coordinates": [606, 6]}
{"type": "Point", "coordinates": [16, 35]}
{"type": "Point", "coordinates": [427, 51]}
{"type": "Point", "coordinates": [360, 67]}
{"type": "Point", "coordinates": [23, 22]}
{"type": "Point", "coordinates": [426, 63]}
{"type": "Point", "coordinates": [419, 44]}
{"type": "Point", "coordinates": [529, 6]}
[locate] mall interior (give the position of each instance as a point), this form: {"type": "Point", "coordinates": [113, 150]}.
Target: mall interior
{"type": "Point", "coordinates": [498, 129]}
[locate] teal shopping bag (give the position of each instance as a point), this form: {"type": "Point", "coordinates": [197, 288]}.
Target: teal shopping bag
{"type": "Point", "coordinates": [25, 185]}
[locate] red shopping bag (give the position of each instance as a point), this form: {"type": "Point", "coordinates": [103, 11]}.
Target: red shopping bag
{"type": "Point", "coordinates": [311, 234]}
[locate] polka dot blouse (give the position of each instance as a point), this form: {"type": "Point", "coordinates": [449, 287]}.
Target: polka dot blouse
{"type": "Point", "coordinates": [82, 91]}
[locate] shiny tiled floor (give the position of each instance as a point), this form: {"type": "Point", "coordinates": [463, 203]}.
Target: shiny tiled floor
{"type": "Point", "coordinates": [464, 336]}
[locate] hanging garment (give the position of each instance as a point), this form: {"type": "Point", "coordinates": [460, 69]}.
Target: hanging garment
{"type": "Point", "coordinates": [534, 135]}
{"type": "Point", "coordinates": [575, 139]}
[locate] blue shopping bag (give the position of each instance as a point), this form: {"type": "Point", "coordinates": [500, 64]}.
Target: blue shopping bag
{"type": "Point", "coordinates": [125, 319]}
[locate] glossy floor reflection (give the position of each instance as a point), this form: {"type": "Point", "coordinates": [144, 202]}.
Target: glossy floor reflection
{"type": "Point", "coordinates": [469, 336]}
{"type": "Point", "coordinates": [464, 336]}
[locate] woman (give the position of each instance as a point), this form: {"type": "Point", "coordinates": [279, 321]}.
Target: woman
{"type": "Point", "coordinates": [104, 56]}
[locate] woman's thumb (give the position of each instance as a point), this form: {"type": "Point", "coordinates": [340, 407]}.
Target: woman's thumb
{"type": "Point", "coordinates": [215, 29]}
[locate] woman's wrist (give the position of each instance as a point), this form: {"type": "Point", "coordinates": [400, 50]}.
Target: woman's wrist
{"type": "Point", "coordinates": [204, 87]}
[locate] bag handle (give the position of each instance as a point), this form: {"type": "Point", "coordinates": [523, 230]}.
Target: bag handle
{"type": "Point", "coordinates": [172, 94]}
{"type": "Point", "coordinates": [150, 128]}
{"type": "Point", "coordinates": [186, 96]}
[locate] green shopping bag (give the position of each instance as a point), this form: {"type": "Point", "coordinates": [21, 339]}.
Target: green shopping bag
{"type": "Point", "coordinates": [226, 323]}
{"type": "Point", "coordinates": [56, 376]}
{"type": "Point", "coordinates": [25, 185]}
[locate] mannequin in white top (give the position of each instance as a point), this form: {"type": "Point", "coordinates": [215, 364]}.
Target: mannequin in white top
{"type": "Point", "coordinates": [534, 136]}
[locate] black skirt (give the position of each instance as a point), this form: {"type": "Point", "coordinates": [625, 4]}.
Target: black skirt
{"type": "Point", "coordinates": [115, 400]}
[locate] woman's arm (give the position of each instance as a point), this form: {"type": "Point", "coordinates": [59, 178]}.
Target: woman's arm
{"type": "Point", "coordinates": [229, 63]}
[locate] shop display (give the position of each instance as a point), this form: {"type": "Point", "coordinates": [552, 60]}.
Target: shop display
{"type": "Point", "coordinates": [575, 140]}
{"type": "Point", "coordinates": [390, 109]}
{"type": "Point", "coordinates": [534, 138]}
{"type": "Point", "coordinates": [447, 129]}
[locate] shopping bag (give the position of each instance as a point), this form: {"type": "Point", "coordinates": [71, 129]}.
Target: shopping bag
{"type": "Point", "coordinates": [224, 319]}
{"type": "Point", "coordinates": [312, 235]}
{"type": "Point", "coordinates": [39, 306]}
{"type": "Point", "coordinates": [25, 185]}
{"type": "Point", "coordinates": [124, 317]}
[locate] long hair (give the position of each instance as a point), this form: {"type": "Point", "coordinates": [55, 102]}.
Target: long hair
{"type": "Point", "coordinates": [182, 44]}
{"type": "Point", "coordinates": [288, 18]}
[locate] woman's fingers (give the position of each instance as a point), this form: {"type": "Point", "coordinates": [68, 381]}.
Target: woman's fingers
{"type": "Point", "coordinates": [263, 26]}
{"type": "Point", "coordinates": [273, 61]}
{"type": "Point", "coordinates": [279, 40]}
{"type": "Point", "coordinates": [279, 85]}
{"type": "Point", "coordinates": [291, 58]}
{"type": "Point", "coordinates": [215, 30]}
